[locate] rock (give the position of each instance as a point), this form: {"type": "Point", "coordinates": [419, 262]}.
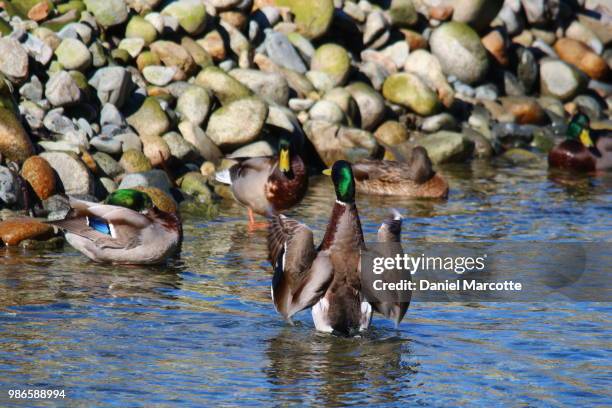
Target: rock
{"type": "Point", "coordinates": [32, 90]}
{"type": "Point", "coordinates": [191, 14]}
{"type": "Point", "coordinates": [371, 104]}
{"type": "Point", "coordinates": [320, 80]}
{"type": "Point", "coordinates": [578, 54]}
{"type": "Point", "coordinates": [223, 86]}
{"type": "Point", "coordinates": [214, 45]}
{"type": "Point", "coordinates": [38, 49]}
{"type": "Point", "coordinates": [160, 199]}
{"type": "Point", "coordinates": [271, 87]}
{"type": "Point", "coordinates": [302, 45]}
{"type": "Point", "coordinates": [402, 13]}
{"type": "Point", "coordinates": [397, 53]}
{"type": "Point", "coordinates": [138, 27]}
{"type": "Point", "coordinates": [391, 133]}
{"type": "Point", "coordinates": [281, 52]}
{"type": "Point", "coordinates": [61, 146]}
{"type": "Point", "coordinates": [579, 32]}
{"type": "Point", "coordinates": [133, 46]}
{"type": "Point", "coordinates": [76, 31]}
{"type": "Point", "coordinates": [444, 146]}
{"type": "Point", "coordinates": [156, 149]}
{"type": "Point", "coordinates": [199, 54]}
{"type": "Point", "coordinates": [460, 52]}
{"type": "Point", "coordinates": [32, 113]}
{"type": "Point", "coordinates": [332, 60]}
{"type": "Point", "coordinates": [194, 105]}
{"type": "Point", "coordinates": [477, 13]}
{"type": "Point", "coordinates": [173, 55]}
{"type": "Point", "coordinates": [441, 121]}
{"type": "Point", "coordinates": [39, 174]}
{"type": "Point", "coordinates": [72, 172]}
{"type": "Point", "coordinates": [107, 165]}
{"type": "Point", "coordinates": [9, 187]}
{"type": "Point", "coordinates": [428, 68]}
{"type": "Point", "coordinates": [526, 110]}
{"type": "Point", "coordinates": [312, 18]}
{"type": "Point", "coordinates": [560, 80]}
{"type": "Point", "coordinates": [333, 142]}
{"type": "Point", "coordinates": [237, 123]}
{"type": "Point", "coordinates": [342, 97]}
{"type": "Point", "coordinates": [129, 140]}
{"type": "Point", "coordinates": [113, 85]}
{"type": "Point", "coordinates": [73, 54]}
{"type": "Point", "coordinates": [495, 43]}
{"type": "Point", "coordinates": [108, 12]}
{"type": "Point", "coordinates": [134, 161]}
{"type": "Point", "coordinates": [196, 136]}
{"type": "Point", "coordinates": [150, 119]}
{"type": "Point", "coordinates": [527, 69]}
{"type": "Point", "coordinates": [490, 91]}
{"type": "Point", "coordinates": [518, 156]}
{"type": "Point", "coordinates": [15, 230]}
{"type": "Point", "coordinates": [408, 90]}
{"type": "Point", "coordinates": [326, 111]}
{"type": "Point", "coordinates": [208, 169]}
{"type": "Point", "coordinates": [152, 178]}
{"type": "Point", "coordinates": [159, 75]}
{"type": "Point", "coordinates": [179, 147]}
{"type": "Point", "coordinates": [296, 104]}
{"type": "Point", "coordinates": [256, 149]}
{"type": "Point", "coordinates": [14, 61]}
{"type": "Point", "coordinates": [589, 105]}
{"type": "Point", "coordinates": [106, 144]}
{"type": "Point", "coordinates": [375, 72]}
{"type": "Point", "coordinates": [15, 144]}
{"type": "Point", "coordinates": [375, 32]}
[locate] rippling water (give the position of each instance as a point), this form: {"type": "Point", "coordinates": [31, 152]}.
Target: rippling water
{"type": "Point", "coordinates": [202, 330]}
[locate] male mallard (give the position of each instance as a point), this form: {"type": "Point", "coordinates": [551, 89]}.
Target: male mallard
{"type": "Point", "coordinates": [127, 229]}
{"type": "Point", "coordinates": [268, 185]}
{"type": "Point", "coordinates": [415, 178]}
{"type": "Point", "coordinates": [326, 278]}
{"type": "Point", "coordinates": [579, 151]}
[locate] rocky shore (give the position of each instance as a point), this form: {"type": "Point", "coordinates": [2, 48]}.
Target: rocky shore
{"type": "Point", "coordinates": [97, 95]}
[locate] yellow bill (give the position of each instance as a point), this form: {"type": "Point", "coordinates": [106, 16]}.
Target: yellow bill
{"type": "Point", "coordinates": [585, 138]}
{"type": "Point", "coordinates": [283, 163]}
{"type": "Point", "coordinates": [327, 172]}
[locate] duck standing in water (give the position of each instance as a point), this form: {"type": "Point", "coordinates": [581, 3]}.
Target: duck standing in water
{"type": "Point", "coordinates": [326, 278]}
{"type": "Point", "coordinates": [268, 185]}
{"type": "Point", "coordinates": [415, 178]}
{"type": "Point", "coordinates": [581, 151]}
{"type": "Point", "coordinates": [126, 229]}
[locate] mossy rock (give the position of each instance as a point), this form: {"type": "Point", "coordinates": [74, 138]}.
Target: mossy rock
{"type": "Point", "coordinates": [191, 14]}
{"type": "Point", "coordinates": [150, 119]}
{"type": "Point", "coordinates": [134, 161]}
{"type": "Point", "coordinates": [408, 90]}
{"type": "Point", "coordinates": [334, 61]}
{"type": "Point", "coordinates": [160, 199]}
{"type": "Point", "coordinates": [21, 8]}
{"type": "Point", "coordinates": [222, 85]}
{"type": "Point", "coordinates": [138, 27]}
{"type": "Point", "coordinates": [312, 17]}
{"type": "Point", "coordinates": [108, 12]}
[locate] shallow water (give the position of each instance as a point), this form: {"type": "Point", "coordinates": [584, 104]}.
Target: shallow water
{"type": "Point", "coordinates": [202, 330]}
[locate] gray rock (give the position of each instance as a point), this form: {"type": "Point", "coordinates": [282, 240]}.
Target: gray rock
{"type": "Point", "coordinates": [72, 172]}
{"type": "Point", "coordinates": [478, 14]}
{"type": "Point", "coordinates": [445, 146]}
{"type": "Point", "coordinates": [333, 142]}
{"type": "Point", "coordinates": [60, 146]}
{"type": "Point", "coordinates": [375, 26]}
{"type": "Point", "coordinates": [108, 12]}
{"type": "Point", "coordinates": [238, 122]}
{"type": "Point", "coordinates": [326, 111]}
{"type": "Point", "coordinates": [113, 85]}
{"type": "Point", "coordinates": [14, 61]}
{"type": "Point", "coordinates": [487, 91]}
{"type": "Point", "coordinates": [76, 31]}
{"type": "Point", "coordinates": [371, 104]}
{"type": "Point", "coordinates": [589, 105]}
{"type": "Point", "coordinates": [32, 90]}
{"type": "Point", "coordinates": [441, 121]}
{"type": "Point", "coordinates": [159, 75]}
{"type": "Point", "coordinates": [8, 187]}
{"type": "Point", "coordinates": [256, 149]}
{"type": "Point", "coordinates": [133, 46]}
{"type": "Point", "coordinates": [194, 104]}
{"type": "Point", "coordinates": [108, 184]}
{"type": "Point", "coordinates": [84, 125]}
{"type": "Point", "coordinates": [281, 52]}
{"type": "Point", "coordinates": [32, 113]}
{"type": "Point", "coordinates": [73, 54]}
{"type": "Point", "coordinates": [179, 147]}
{"type": "Point", "coordinates": [62, 89]}
{"type": "Point", "coordinates": [151, 178]}
{"type": "Point", "coordinates": [129, 141]}
{"type": "Point", "coordinates": [376, 73]}
{"type": "Point", "coordinates": [56, 122]}
{"type": "Point", "coordinates": [527, 69]}
{"type": "Point", "coordinates": [203, 144]}
{"type": "Point", "coordinates": [110, 115]}
{"type": "Point", "coordinates": [269, 86]}
{"type": "Point", "coordinates": [37, 49]}
{"type": "Point", "coordinates": [512, 19]}
{"type": "Point", "coordinates": [296, 104]}
{"type": "Point", "coordinates": [560, 79]}
{"type": "Point", "coordinates": [106, 144]}
{"type": "Point", "coordinates": [107, 164]}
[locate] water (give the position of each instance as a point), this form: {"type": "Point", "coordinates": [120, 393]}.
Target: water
{"type": "Point", "coordinates": [202, 330]}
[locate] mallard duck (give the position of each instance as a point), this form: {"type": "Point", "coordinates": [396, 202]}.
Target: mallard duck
{"type": "Point", "coordinates": [126, 229]}
{"type": "Point", "coordinates": [414, 178]}
{"type": "Point", "coordinates": [581, 150]}
{"type": "Point", "coordinates": [326, 278]}
{"type": "Point", "coordinates": [268, 185]}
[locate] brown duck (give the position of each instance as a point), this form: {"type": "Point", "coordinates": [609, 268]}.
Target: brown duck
{"type": "Point", "coordinates": [414, 178]}
{"type": "Point", "coordinates": [326, 278]}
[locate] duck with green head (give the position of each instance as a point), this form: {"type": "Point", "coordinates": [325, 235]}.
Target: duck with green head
{"type": "Point", "coordinates": [268, 185]}
{"type": "Point", "coordinates": [582, 150]}
{"type": "Point", "coordinates": [326, 278]}
{"type": "Point", "coordinates": [126, 229]}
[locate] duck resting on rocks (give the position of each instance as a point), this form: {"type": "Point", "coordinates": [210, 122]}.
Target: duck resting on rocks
{"type": "Point", "coordinates": [126, 229]}
{"type": "Point", "coordinates": [582, 150]}
{"type": "Point", "coordinates": [414, 178]}
{"type": "Point", "coordinates": [268, 185]}
{"type": "Point", "coordinates": [327, 278]}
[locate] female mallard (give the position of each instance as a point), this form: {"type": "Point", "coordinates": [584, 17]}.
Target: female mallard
{"type": "Point", "coordinates": [326, 278]}
{"type": "Point", "coordinates": [127, 229]}
{"type": "Point", "coordinates": [579, 152]}
{"type": "Point", "coordinates": [415, 178]}
{"type": "Point", "coordinates": [268, 185]}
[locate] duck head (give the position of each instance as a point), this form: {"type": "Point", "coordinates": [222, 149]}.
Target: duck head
{"type": "Point", "coordinates": [344, 182]}
{"type": "Point", "coordinates": [579, 129]}
{"type": "Point", "coordinates": [129, 198]}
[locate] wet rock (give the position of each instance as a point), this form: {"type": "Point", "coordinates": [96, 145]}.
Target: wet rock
{"type": "Point", "coordinates": [72, 172]}
{"type": "Point", "coordinates": [391, 133]}
{"type": "Point", "coordinates": [527, 69]}
{"type": "Point", "coordinates": [107, 165]}
{"type": "Point", "coordinates": [578, 54]}
{"type": "Point", "coordinates": [73, 54]}
{"type": "Point", "coordinates": [428, 68]}
{"type": "Point", "coordinates": [134, 161]}
{"type": "Point", "coordinates": [237, 123]}
{"type": "Point", "coordinates": [191, 14]}
{"type": "Point", "coordinates": [15, 144]}
{"type": "Point", "coordinates": [160, 199]}
{"type": "Point", "coordinates": [39, 174]}
{"type": "Point", "coordinates": [14, 61]}
{"type": "Point", "coordinates": [445, 146]}
{"type": "Point", "coordinates": [560, 80]}
{"type": "Point", "coordinates": [326, 111]}
{"type": "Point", "coordinates": [152, 178]}
{"type": "Point", "coordinates": [203, 144]}
{"type": "Point", "coordinates": [15, 230]}
{"type": "Point", "coordinates": [408, 90]}
{"type": "Point", "coordinates": [150, 119]}
{"type": "Point", "coordinates": [113, 85]}
{"type": "Point", "coordinates": [222, 85]}
{"type": "Point", "coordinates": [332, 60]}
{"type": "Point", "coordinates": [312, 18]}
{"type": "Point", "coordinates": [138, 27]}
{"type": "Point", "coordinates": [460, 52]}
{"type": "Point", "coordinates": [108, 12]}
{"type": "Point", "coordinates": [526, 110]}
{"type": "Point", "coordinates": [370, 103]}
{"type": "Point", "coordinates": [280, 50]}
{"type": "Point", "coordinates": [477, 14]}
{"type": "Point", "coordinates": [195, 184]}
{"type": "Point", "coordinates": [441, 121]}
{"type": "Point", "coordinates": [271, 87]}
{"type": "Point", "coordinates": [333, 142]}
{"type": "Point", "coordinates": [194, 105]}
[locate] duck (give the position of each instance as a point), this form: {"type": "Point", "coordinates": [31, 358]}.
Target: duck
{"type": "Point", "coordinates": [414, 178]}
{"type": "Point", "coordinates": [268, 185]}
{"type": "Point", "coordinates": [582, 151]}
{"type": "Point", "coordinates": [327, 278]}
{"type": "Point", "coordinates": [126, 229]}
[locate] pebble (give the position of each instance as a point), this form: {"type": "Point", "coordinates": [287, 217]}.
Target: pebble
{"type": "Point", "coordinates": [444, 146]}
{"type": "Point", "coordinates": [191, 14]}
{"type": "Point", "coordinates": [409, 90]}
{"type": "Point", "coordinates": [312, 21]}
{"type": "Point", "coordinates": [39, 174]}
{"type": "Point", "coordinates": [370, 103]}
{"type": "Point", "coordinates": [72, 172]}
{"type": "Point", "coordinates": [159, 75]}
{"type": "Point", "coordinates": [14, 61]}
{"type": "Point", "coordinates": [106, 144]}
{"type": "Point", "coordinates": [391, 133]}
{"type": "Point", "coordinates": [8, 186]}
{"type": "Point", "coordinates": [62, 89]}
{"type": "Point", "coordinates": [13, 231]}
{"type": "Point", "coordinates": [194, 104]}
{"type": "Point", "coordinates": [581, 56]}
{"type": "Point", "coordinates": [203, 144]}
{"type": "Point", "coordinates": [108, 12]}
{"type": "Point", "coordinates": [441, 121]}
{"type": "Point", "coordinates": [222, 85]}
{"type": "Point", "coordinates": [32, 90]}
{"type": "Point", "coordinates": [560, 79]}
{"type": "Point", "coordinates": [113, 85]}
{"type": "Point", "coordinates": [334, 142]}
{"type": "Point", "coordinates": [179, 147]}
{"type": "Point", "coordinates": [271, 87]}
{"type": "Point", "coordinates": [332, 60]}
{"type": "Point", "coordinates": [152, 178]}
{"type": "Point", "coordinates": [237, 123]}
{"type": "Point", "coordinates": [326, 111]}
{"type": "Point", "coordinates": [107, 165]}
{"type": "Point", "coordinates": [134, 161]}
{"type": "Point", "coordinates": [150, 119]}
{"type": "Point", "coordinates": [280, 50]}
{"type": "Point", "coordinates": [15, 144]}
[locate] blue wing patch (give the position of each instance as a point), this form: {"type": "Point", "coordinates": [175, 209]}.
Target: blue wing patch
{"type": "Point", "coordinates": [99, 225]}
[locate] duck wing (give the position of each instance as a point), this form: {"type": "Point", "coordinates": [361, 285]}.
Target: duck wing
{"type": "Point", "coordinates": [107, 226]}
{"type": "Point", "coordinates": [301, 274]}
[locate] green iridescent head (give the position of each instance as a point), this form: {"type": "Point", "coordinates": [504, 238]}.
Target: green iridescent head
{"type": "Point", "coordinates": [579, 129]}
{"type": "Point", "coordinates": [344, 183]}
{"type": "Point", "coordinates": [128, 198]}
